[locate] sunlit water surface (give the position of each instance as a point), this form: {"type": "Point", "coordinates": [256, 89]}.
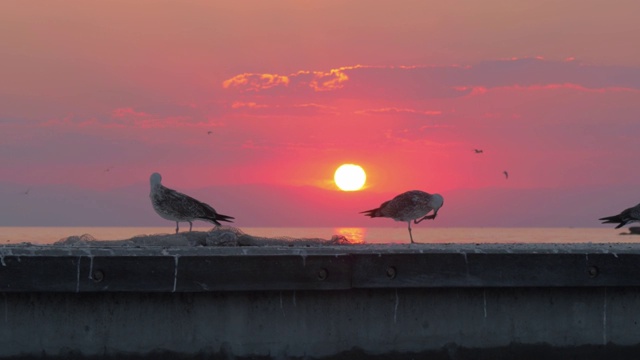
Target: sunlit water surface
{"type": "Point", "coordinates": [47, 235]}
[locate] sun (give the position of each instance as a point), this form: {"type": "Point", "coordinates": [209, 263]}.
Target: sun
{"type": "Point", "coordinates": [350, 177]}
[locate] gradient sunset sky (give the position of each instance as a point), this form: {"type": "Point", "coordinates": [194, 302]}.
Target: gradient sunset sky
{"type": "Point", "coordinates": [95, 96]}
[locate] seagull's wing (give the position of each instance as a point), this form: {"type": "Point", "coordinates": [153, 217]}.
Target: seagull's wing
{"type": "Point", "coordinates": [185, 204]}
{"type": "Point", "coordinates": [404, 203]}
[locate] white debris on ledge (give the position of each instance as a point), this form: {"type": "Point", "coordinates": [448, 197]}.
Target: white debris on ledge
{"type": "Point", "coordinates": [220, 236]}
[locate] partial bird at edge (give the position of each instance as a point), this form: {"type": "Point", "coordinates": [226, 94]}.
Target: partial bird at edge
{"type": "Point", "coordinates": [625, 217]}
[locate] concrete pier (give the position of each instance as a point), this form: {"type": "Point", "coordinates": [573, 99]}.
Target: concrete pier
{"type": "Point", "coordinates": [453, 301]}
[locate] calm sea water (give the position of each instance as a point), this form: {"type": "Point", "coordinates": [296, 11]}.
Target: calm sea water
{"type": "Point", "coordinates": [399, 234]}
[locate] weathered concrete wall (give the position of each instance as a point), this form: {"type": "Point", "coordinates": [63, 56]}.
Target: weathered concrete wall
{"type": "Point", "coordinates": [316, 323]}
{"type": "Point", "coordinates": [453, 303]}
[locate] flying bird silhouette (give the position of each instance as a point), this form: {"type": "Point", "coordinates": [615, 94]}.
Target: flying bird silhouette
{"type": "Point", "coordinates": [176, 206]}
{"type": "Point", "coordinates": [478, 151]}
{"type": "Point", "coordinates": [209, 132]}
{"type": "Point", "coordinates": [627, 216]}
{"type": "Point", "coordinates": [506, 174]}
{"type": "Point", "coordinates": [410, 205]}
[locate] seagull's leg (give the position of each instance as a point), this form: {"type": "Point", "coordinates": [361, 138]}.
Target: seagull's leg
{"type": "Point", "coordinates": [410, 236]}
{"type": "Point", "coordinates": [177, 227]}
{"type": "Point", "coordinates": [190, 225]}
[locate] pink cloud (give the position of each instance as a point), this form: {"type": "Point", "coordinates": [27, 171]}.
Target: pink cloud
{"type": "Point", "coordinates": [271, 110]}
{"type": "Point", "coordinates": [396, 111]}
{"type": "Point", "coordinates": [481, 90]}
{"type": "Point", "coordinates": [255, 82]}
{"type": "Point", "coordinates": [433, 82]}
{"type": "Point", "coordinates": [128, 113]}
{"type": "Point", "coordinates": [250, 105]}
{"type": "Point", "coordinates": [333, 79]}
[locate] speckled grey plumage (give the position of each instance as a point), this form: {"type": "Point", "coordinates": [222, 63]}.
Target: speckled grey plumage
{"type": "Point", "coordinates": [411, 205]}
{"type": "Point", "coordinates": [175, 206]}
{"type": "Point", "coordinates": [627, 216]}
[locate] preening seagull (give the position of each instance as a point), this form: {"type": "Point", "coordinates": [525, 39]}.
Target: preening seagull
{"type": "Point", "coordinates": [175, 206]}
{"type": "Point", "coordinates": [411, 205]}
{"type": "Point", "coordinates": [627, 216]}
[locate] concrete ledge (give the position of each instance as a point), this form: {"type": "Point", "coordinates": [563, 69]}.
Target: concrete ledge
{"type": "Point", "coordinates": [190, 269]}
{"type": "Point", "coordinates": [376, 301]}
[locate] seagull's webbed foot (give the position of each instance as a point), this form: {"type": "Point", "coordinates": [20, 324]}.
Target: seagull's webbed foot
{"type": "Point", "coordinates": [428, 217]}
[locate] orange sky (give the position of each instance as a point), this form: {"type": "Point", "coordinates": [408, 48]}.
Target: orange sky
{"type": "Point", "coordinates": [291, 89]}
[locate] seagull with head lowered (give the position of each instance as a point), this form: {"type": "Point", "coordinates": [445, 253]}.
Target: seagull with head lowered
{"type": "Point", "coordinates": [627, 216]}
{"type": "Point", "coordinates": [411, 205]}
{"type": "Point", "coordinates": [175, 206]}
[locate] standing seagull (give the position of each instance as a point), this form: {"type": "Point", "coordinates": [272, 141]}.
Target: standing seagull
{"type": "Point", "coordinates": [626, 216]}
{"type": "Point", "coordinates": [175, 206]}
{"type": "Point", "coordinates": [408, 206]}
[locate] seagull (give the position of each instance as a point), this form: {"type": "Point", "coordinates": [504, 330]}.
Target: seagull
{"type": "Point", "coordinates": [209, 132]}
{"type": "Point", "coordinates": [625, 217]}
{"type": "Point", "coordinates": [408, 206]}
{"type": "Point", "coordinates": [108, 169]}
{"type": "Point", "coordinates": [27, 191]}
{"type": "Point", "coordinates": [175, 206]}
{"type": "Point", "coordinates": [506, 174]}
{"type": "Point", "coordinates": [478, 151]}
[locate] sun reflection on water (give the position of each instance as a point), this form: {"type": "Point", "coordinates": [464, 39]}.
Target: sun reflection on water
{"type": "Point", "coordinates": [355, 235]}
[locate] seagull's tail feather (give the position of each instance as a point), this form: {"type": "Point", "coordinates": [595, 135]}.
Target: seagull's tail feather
{"type": "Point", "coordinates": [225, 217]}
{"type": "Point", "coordinates": [372, 213]}
{"type": "Point", "coordinates": [616, 219]}
{"type": "Point", "coordinates": [220, 217]}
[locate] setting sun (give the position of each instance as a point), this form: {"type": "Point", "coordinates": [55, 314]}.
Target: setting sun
{"type": "Point", "coordinates": [350, 177]}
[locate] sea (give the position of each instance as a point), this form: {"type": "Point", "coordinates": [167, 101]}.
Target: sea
{"type": "Point", "coordinates": [367, 235]}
